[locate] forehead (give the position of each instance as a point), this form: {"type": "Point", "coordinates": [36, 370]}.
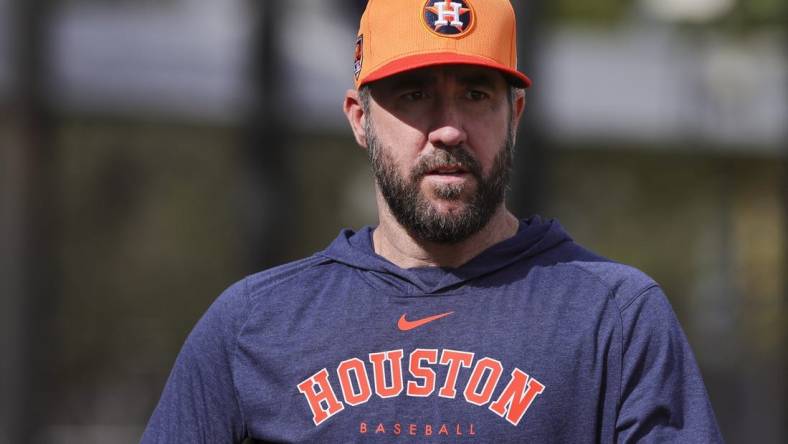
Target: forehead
{"type": "Point", "coordinates": [462, 74]}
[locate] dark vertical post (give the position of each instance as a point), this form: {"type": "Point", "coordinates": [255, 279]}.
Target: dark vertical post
{"type": "Point", "coordinates": [529, 192]}
{"type": "Point", "coordinates": [271, 211]}
{"type": "Point", "coordinates": [29, 204]}
{"type": "Point", "coordinates": [783, 361]}
{"type": "Point", "coordinates": [354, 10]}
{"type": "Point", "coordinates": [783, 358]}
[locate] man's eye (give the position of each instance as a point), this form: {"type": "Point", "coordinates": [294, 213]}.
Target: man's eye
{"type": "Point", "coordinates": [477, 95]}
{"type": "Point", "coordinates": [413, 96]}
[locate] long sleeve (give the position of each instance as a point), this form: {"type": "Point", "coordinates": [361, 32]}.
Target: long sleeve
{"type": "Point", "coordinates": [199, 403]}
{"type": "Point", "coordinates": [663, 398]}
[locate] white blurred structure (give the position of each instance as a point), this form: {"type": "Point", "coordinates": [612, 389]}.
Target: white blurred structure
{"type": "Point", "coordinates": [696, 11]}
{"type": "Point", "coordinates": [185, 58]}
{"type": "Point", "coordinates": [654, 84]}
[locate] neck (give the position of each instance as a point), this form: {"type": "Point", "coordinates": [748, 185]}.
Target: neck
{"type": "Point", "coordinates": [392, 241]}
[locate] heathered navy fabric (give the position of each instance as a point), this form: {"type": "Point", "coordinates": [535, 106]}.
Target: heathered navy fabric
{"type": "Point", "coordinates": [599, 338]}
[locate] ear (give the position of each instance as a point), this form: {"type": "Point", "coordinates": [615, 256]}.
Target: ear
{"type": "Point", "coordinates": [355, 116]}
{"type": "Point", "coordinates": [519, 106]}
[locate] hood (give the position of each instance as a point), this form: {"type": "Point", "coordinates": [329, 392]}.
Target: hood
{"type": "Point", "coordinates": [355, 249]}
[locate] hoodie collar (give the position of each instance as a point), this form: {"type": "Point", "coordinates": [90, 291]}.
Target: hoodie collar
{"type": "Point", "coordinates": [356, 250]}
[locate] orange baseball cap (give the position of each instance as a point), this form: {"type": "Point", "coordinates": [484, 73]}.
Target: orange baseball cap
{"type": "Point", "coordinates": [400, 35]}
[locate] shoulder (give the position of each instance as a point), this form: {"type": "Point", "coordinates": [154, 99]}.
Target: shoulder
{"type": "Point", "coordinates": [291, 273]}
{"type": "Point", "coordinates": [234, 305]}
{"type": "Point", "coordinates": [623, 283]}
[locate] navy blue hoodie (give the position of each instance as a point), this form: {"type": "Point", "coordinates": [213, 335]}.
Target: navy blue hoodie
{"type": "Point", "coordinates": [535, 340]}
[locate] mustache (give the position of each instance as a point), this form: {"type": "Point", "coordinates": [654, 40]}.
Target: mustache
{"type": "Point", "coordinates": [445, 158]}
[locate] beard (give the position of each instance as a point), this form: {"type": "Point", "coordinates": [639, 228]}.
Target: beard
{"type": "Point", "coordinates": [417, 214]}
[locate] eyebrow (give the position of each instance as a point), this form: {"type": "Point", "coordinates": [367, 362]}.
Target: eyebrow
{"type": "Point", "coordinates": [482, 79]}
{"type": "Point", "coordinates": [411, 80]}
{"type": "Point", "coordinates": [420, 79]}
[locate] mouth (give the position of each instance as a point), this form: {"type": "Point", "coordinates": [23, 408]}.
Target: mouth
{"type": "Point", "coordinates": [448, 175]}
{"type": "Point", "coordinates": [448, 170]}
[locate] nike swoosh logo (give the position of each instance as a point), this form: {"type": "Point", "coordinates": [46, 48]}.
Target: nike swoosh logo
{"type": "Point", "coordinates": [406, 325]}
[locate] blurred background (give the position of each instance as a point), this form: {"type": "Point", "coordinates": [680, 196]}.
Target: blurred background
{"type": "Point", "coordinates": [154, 152]}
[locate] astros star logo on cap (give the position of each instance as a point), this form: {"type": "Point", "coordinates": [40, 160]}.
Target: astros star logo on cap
{"type": "Point", "coordinates": [448, 18]}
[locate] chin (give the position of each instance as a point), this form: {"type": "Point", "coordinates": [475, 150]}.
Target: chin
{"type": "Point", "coordinates": [449, 193]}
{"type": "Point", "coordinates": [446, 207]}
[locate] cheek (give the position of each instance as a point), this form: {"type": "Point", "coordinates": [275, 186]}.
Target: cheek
{"type": "Point", "coordinates": [402, 142]}
{"type": "Point", "coordinates": [488, 138]}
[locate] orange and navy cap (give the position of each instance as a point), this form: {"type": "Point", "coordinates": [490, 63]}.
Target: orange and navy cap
{"type": "Point", "coordinates": [400, 35]}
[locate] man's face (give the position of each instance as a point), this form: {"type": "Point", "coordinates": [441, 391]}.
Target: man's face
{"type": "Point", "coordinates": [440, 142]}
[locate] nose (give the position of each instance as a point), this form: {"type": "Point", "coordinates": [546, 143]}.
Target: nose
{"type": "Point", "coordinates": [448, 129]}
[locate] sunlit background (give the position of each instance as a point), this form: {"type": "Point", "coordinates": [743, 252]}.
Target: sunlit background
{"type": "Point", "coordinates": [154, 152]}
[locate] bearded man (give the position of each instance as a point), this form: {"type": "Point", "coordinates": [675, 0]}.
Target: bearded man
{"type": "Point", "coordinates": [451, 319]}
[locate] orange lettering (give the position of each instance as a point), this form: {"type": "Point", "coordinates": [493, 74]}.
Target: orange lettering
{"type": "Point", "coordinates": [362, 428]}
{"type": "Point", "coordinates": [412, 429]}
{"type": "Point", "coordinates": [356, 366]}
{"type": "Point", "coordinates": [472, 393]}
{"type": "Point", "coordinates": [517, 397]}
{"type": "Point", "coordinates": [324, 403]}
{"type": "Point", "coordinates": [379, 363]}
{"type": "Point", "coordinates": [454, 359]}
{"type": "Point", "coordinates": [380, 428]}
{"type": "Point", "coordinates": [427, 430]}
{"type": "Point", "coordinates": [423, 373]}
{"type": "Point", "coordinates": [443, 430]}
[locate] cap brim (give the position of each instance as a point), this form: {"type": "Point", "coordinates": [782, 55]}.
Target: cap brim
{"type": "Point", "coordinates": [445, 58]}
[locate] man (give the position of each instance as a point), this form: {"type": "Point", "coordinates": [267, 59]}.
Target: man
{"type": "Point", "coordinates": [452, 319]}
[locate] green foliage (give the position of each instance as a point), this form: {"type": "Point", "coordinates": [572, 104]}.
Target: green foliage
{"type": "Point", "coordinates": [757, 12]}
{"type": "Point", "coordinates": [599, 11]}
